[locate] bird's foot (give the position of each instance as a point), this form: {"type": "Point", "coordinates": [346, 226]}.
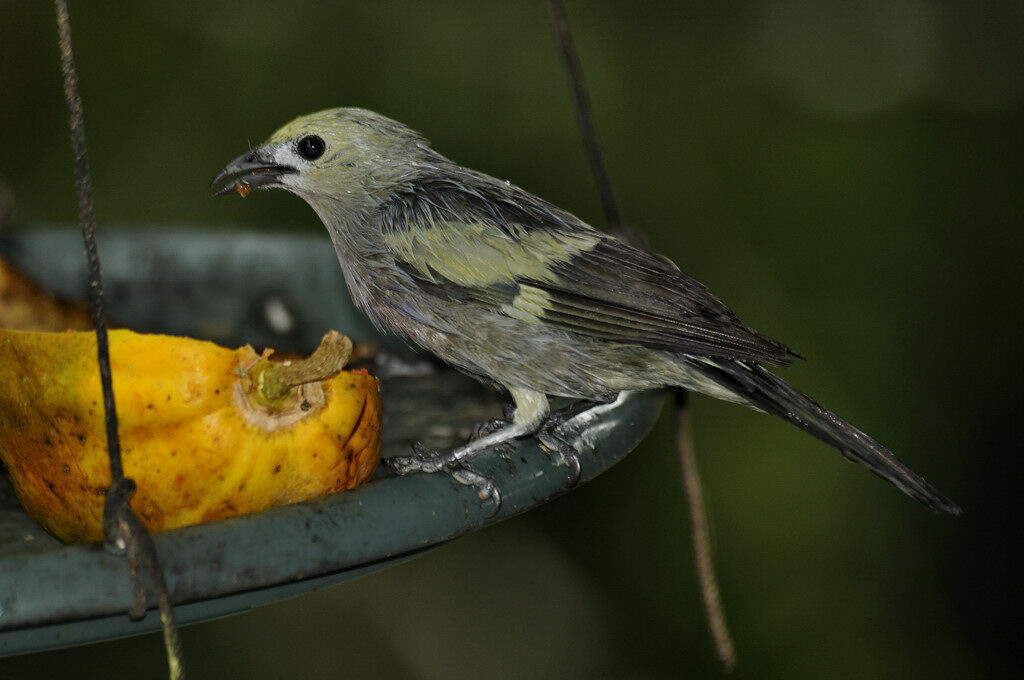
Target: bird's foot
{"type": "Point", "coordinates": [554, 445]}
{"type": "Point", "coordinates": [485, 487]}
{"type": "Point", "coordinates": [430, 461]}
{"type": "Point", "coordinates": [491, 426]}
{"type": "Point", "coordinates": [421, 460]}
{"type": "Point", "coordinates": [487, 427]}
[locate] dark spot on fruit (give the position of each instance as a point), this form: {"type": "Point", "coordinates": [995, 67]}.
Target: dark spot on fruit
{"type": "Point", "coordinates": [277, 469]}
{"type": "Point", "coordinates": [305, 405]}
{"type": "Point", "coordinates": [66, 469]}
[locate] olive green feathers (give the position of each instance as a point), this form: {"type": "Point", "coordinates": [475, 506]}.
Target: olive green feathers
{"type": "Point", "coordinates": [521, 294]}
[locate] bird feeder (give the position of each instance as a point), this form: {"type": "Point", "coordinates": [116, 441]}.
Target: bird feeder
{"type": "Point", "coordinates": [281, 291]}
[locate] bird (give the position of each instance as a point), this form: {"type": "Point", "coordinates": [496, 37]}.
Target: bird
{"type": "Point", "coordinates": [524, 296]}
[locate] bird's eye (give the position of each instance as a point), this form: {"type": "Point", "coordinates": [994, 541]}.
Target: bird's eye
{"type": "Point", "coordinates": [311, 147]}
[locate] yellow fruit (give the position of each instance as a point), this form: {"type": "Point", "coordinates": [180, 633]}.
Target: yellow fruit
{"type": "Point", "coordinates": [26, 307]}
{"type": "Point", "coordinates": [194, 437]}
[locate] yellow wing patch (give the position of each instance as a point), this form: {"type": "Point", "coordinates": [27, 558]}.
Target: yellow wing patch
{"type": "Point", "coordinates": [478, 254]}
{"type": "Point", "coordinates": [528, 305]}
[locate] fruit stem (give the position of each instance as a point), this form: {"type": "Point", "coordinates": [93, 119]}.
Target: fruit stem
{"type": "Point", "coordinates": [274, 380]}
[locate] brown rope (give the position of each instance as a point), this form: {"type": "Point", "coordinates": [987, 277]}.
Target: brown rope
{"type": "Point", "coordinates": [702, 559]}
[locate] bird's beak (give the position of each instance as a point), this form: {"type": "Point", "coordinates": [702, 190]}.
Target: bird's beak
{"type": "Point", "coordinates": [249, 171]}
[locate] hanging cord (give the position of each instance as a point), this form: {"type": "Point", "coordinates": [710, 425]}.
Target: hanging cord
{"type": "Point", "coordinates": [701, 536]}
{"type": "Point", "coordinates": [581, 100]}
{"type": "Point", "coordinates": [704, 565]}
{"type": "Point", "coordinates": [125, 532]}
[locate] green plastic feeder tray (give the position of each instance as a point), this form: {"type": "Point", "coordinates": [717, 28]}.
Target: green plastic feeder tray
{"type": "Point", "coordinates": [282, 291]}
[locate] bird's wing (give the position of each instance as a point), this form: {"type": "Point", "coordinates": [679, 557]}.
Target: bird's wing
{"type": "Point", "coordinates": [492, 244]}
{"type": "Point", "coordinates": [620, 290]}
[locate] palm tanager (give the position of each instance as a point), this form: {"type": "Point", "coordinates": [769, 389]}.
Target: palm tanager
{"type": "Point", "coordinates": [522, 295]}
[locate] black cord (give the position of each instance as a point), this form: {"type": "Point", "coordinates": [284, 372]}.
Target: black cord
{"type": "Point", "coordinates": [125, 532]}
{"type": "Point", "coordinates": [88, 219]}
{"type": "Point", "coordinates": [713, 609]}
{"type": "Point", "coordinates": [585, 118]}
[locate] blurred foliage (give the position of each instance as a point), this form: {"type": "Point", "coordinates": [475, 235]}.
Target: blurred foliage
{"type": "Point", "coordinates": [847, 176]}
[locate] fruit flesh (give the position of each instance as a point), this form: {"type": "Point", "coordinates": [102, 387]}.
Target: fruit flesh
{"type": "Point", "coordinates": [188, 434]}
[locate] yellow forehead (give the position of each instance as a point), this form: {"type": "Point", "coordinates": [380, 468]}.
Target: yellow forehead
{"type": "Point", "coordinates": [358, 126]}
{"type": "Point", "coordinates": [322, 122]}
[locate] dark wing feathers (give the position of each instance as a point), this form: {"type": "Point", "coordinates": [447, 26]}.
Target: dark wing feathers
{"type": "Point", "coordinates": [613, 291]}
{"type": "Point", "coordinates": [644, 297]}
{"type": "Point", "coordinates": [637, 324]}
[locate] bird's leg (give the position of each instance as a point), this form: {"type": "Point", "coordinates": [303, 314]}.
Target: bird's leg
{"type": "Point", "coordinates": [574, 409]}
{"type": "Point", "coordinates": [487, 427]}
{"type": "Point", "coordinates": [555, 444]}
{"type": "Point", "coordinates": [531, 412]}
{"type": "Point", "coordinates": [494, 424]}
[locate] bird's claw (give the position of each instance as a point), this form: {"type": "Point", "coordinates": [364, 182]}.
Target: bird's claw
{"type": "Point", "coordinates": [485, 488]}
{"type": "Point", "coordinates": [569, 456]}
{"type": "Point", "coordinates": [429, 461]}
{"type": "Point", "coordinates": [421, 460]}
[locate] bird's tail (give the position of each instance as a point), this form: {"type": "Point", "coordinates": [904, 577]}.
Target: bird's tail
{"type": "Point", "coordinates": [773, 395]}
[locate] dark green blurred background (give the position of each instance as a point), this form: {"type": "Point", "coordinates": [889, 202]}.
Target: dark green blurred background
{"type": "Point", "coordinates": [847, 176]}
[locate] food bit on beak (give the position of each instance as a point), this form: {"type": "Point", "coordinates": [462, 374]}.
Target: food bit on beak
{"type": "Point", "coordinates": [250, 171]}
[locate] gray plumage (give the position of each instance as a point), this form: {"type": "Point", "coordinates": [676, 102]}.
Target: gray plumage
{"type": "Point", "coordinates": [517, 292]}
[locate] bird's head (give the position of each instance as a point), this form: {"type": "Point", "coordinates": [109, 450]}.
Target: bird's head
{"type": "Point", "coordinates": [339, 155]}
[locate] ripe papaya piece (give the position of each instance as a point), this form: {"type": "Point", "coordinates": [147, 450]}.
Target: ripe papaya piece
{"type": "Point", "coordinates": [25, 306]}
{"type": "Point", "coordinates": [201, 434]}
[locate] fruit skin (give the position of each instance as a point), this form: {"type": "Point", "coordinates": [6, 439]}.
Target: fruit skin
{"type": "Point", "coordinates": [188, 433]}
{"type": "Point", "coordinates": [25, 306]}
